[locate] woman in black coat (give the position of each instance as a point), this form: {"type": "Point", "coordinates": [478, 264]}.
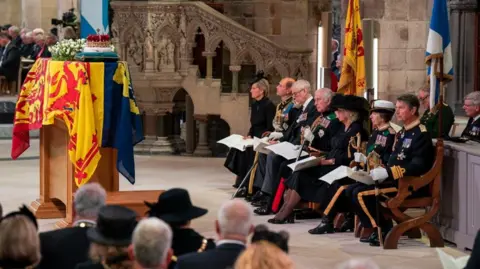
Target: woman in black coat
{"type": "Point", "coordinates": [261, 121]}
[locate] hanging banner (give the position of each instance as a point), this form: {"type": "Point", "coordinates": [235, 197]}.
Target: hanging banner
{"type": "Point", "coordinates": [94, 17]}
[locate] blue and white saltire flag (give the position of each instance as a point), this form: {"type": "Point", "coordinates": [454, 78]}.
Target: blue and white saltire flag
{"type": "Point", "coordinates": [94, 17]}
{"type": "Point", "coordinates": [439, 48]}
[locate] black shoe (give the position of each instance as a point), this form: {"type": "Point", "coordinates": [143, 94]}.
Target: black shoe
{"type": "Point", "coordinates": [325, 227]}
{"type": "Point", "coordinates": [347, 225]}
{"type": "Point", "coordinates": [259, 196]}
{"type": "Point", "coordinates": [288, 220]}
{"type": "Point", "coordinates": [263, 211]}
{"type": "Point", "coordinates": [375, 241]}
{"type": "Point", "coordinates": [261, 203]}
{"type": "Point", "coordinates": [241, 193]}
{"type": "Point", "coordinates": [372, 238]}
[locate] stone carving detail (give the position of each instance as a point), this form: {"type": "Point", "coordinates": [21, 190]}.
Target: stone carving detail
{"type": "Point", "coordinates": [135, 48]}
{"type": "Point", "coordinates": [149, 51]}
{"type": "Point", "coordinates": [165, 94]}
{"type": "Point", "coordinates": [166, 54]}
{"type": "Point", "coordinates": [466, 5]}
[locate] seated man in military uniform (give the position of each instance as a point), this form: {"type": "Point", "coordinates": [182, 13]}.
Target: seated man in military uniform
{"type": "Point", "coordinates": [318, 134]}
{"type": "Point", "coordinates": [430, 117]}
{"type": "Point", "coordinates": [307, 113]}
{"type": "Point", "coordinates": [472, 109]}
{"type": "Point", "coordinates": [413, 155]}
{"type": "Point", "coordinates": [285, 116]}
{"type": "Point", "coordinates": [381, 143]}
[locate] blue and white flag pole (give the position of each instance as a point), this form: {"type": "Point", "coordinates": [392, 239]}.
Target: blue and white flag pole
{"type": "Point", "coordinates": [94, 17]}
{"type": "Point", "coordinates": [439, 51]}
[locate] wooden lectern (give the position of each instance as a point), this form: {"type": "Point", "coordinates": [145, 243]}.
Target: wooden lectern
{"type": "Point", "coordinates": [57, 184]}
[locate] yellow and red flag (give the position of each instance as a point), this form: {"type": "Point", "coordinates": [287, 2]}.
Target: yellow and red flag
{"type": "Point", "coordinates": [66, 91]}
{"type": "Point", "coordinates": [352, 78]}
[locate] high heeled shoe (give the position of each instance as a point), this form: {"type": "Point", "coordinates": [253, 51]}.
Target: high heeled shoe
{"type": "Point", "coordinates": [288, 220]}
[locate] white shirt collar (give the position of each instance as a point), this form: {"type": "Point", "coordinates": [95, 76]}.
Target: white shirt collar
{"type": "Point", "coordinates": [476, 118]}
{"type": "Point", "coordinates": [229, 241]}
{"type": "Point", "coordinates": [307, 102]}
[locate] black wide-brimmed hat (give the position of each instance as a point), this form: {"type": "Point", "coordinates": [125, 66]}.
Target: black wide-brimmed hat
{"type": "Point", "coordinates": [351, 103]}
{"type": "Point", "coordinates": [115, 225]}
{"type": "Point", "coordinates": [175, 206]}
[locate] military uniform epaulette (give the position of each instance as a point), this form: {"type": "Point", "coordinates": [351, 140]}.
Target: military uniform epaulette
{"type": "Point", "coordinates": [422, 127]}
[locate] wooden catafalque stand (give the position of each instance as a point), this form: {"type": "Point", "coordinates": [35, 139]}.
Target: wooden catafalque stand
{"type": "Point", "coordinates": [34, 110]}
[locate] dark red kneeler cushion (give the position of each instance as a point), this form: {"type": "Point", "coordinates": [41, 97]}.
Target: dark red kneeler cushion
{"type": "Point", "coordinates": [278, 196]}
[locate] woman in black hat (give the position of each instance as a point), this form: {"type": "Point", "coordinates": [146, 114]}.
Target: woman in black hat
{"type": "Point", "coordinates": [175, 208]}
{"type": "Point", "coordinates": [351, 111]}
{"type": "Point", "coordinates": [261, 120]}
{"type": "Point", "coordinates": [110, 239]}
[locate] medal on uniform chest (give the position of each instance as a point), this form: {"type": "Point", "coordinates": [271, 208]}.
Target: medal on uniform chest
{"type": "Point", "coordinates": [285, 126]}
{"type": "Point", "coordinates": [406, 143]}
{"type": "Point", "coordinates": [401, 156]}
{"type": "Point", "coordinates": [321, 133]}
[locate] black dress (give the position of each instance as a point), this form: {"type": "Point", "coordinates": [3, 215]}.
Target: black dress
{"type": "Point", "coordinates": [306, 182]}
{"type": "Point", "coordinates": [261, 121]}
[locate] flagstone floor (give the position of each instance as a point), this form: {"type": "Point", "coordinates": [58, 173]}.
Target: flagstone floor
{"type": "Point", "coordinates": [210, 185]}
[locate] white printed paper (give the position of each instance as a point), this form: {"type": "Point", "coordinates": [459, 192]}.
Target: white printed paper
{"type": "Point", "coordinates": [236, 141]}
{"type": "Point", "coordinates": [345, 171]}
{"type": "Point", "coordinates": [304, 164]}
{"type": "Point", "coordinates": [287, 150]}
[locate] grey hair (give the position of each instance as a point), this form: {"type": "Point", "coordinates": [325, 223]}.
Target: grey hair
{"type": "Point", "coordinates": [425, 90]}
{"type": "Point", "coordinates": [359, 264]}
{"type": "Point", "coordinates": [14, 29]}
{"type": "Point", "coordinates": [38, 31]}
{"type": "Point", "coordinates": [39, 37]}
{"type": "Point", "coordinates": [474, 97]}
{"type": "Point", "coordinates": [151, 240]}
{"type": "Point", "coordinates": [326, 94]}
{"type": "Point", "coordinates": [29, 34]}
{"type": "Point", "coordinates": [235, 217]}
{"type": "Point", "coordinates": [302, 84]}
{"type": "Point", "coordinates": [88, 200]}
{"type": "Point", "coordinates": [263, 85]}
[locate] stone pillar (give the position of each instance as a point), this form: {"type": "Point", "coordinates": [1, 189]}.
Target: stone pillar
{"type": "Point", "coordinates": [162, 145]}
{"type": "Point", "coordinates": [462, 35]}
{"type": "Point", "coordinates": [209, 55]}
{"type": "Point", "coordinates": [235, 69]}
{"type": "Point", "coordinates": [190, 125]}
{"type": "Point", "coordinates": [150, 122]}
{"type": "Point", "coordinates": [202, 149]}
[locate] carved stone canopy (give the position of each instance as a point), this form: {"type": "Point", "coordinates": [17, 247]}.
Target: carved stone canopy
{"type": "Point", "coordinates": [463, 5]}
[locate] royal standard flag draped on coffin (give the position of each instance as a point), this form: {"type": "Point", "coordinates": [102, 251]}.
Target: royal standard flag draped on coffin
{"type": "Point", "coordinates": [96, 102]}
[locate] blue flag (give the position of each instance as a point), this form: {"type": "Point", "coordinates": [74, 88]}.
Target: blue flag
{"type": "Point", "coordinates": [122, 123]}
{"type": "Point", "coordinates": [439, 48]}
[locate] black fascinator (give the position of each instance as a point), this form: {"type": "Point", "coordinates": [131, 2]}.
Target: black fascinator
{"type": "Point", "coordinates": [25, 212]}
{"type": "Point", "coordinates": [258, 76]}
{"type": "Point", "coordinates": [279, 239]}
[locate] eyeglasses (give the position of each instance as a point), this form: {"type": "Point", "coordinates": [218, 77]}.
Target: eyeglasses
{"type": "Point", "coordinates": [297, 92]}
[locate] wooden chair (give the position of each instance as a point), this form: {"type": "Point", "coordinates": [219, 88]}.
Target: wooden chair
{"type": "Point", "coordinates": [401, 202]}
